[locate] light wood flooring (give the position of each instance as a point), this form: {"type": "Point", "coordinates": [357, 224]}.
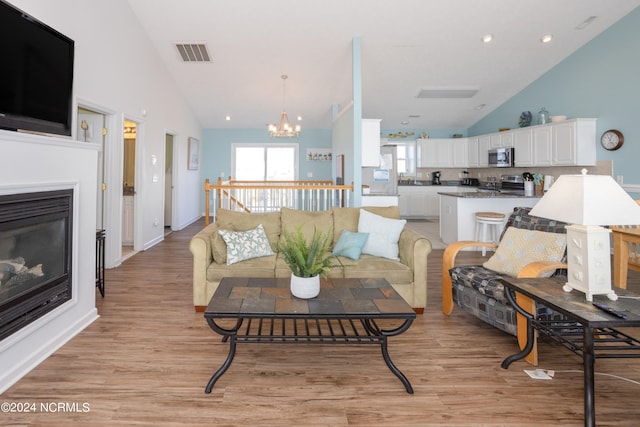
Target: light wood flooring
{"type": "Point", "coordinates": [147, 359]}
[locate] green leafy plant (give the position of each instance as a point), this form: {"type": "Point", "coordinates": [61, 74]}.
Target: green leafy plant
{"type": "Point", "coordinates": [306, 259]}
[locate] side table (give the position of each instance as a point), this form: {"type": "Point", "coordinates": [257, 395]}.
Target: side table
{"type": "Point", "coordinates": [100, 237]}
{"type": "Point", "coordinates": [587, 331]}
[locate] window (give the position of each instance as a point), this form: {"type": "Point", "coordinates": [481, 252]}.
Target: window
{"type": "Point", "coordinates": [405, 159]}
{"type": "Point", "coordinates": [264, 162]}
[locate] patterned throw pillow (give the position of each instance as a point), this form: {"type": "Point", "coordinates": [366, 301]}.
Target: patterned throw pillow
{"type": "Point", "coordinates": [244, 245]}
{"type": "Point", "coordinates": [520, 247]}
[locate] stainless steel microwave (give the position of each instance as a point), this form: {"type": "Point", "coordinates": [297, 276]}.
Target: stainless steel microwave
{"type": "Point", "coordinates": [501, 157]}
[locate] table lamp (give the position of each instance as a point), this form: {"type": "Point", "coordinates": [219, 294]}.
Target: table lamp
{"type": "Point", "coordinates": [587, 202]}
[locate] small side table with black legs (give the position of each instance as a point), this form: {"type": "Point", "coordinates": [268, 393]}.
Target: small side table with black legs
{"type": "Point", "coordinates": [100, 237]}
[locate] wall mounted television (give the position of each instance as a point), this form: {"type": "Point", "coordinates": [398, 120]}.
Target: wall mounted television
{"type": "Point", "coordinates": [36, 76]}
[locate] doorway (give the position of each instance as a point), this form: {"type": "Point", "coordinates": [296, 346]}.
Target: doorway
{"type": "Point", "coordinates": [128, 188]}
{"type": "Point", "coordinates": [168, 183]}
{"type": "Point", "coordinates": [92, 128]}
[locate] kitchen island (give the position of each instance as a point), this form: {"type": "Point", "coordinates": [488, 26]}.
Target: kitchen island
{"type": "Point", "coordinates": [457, 211]}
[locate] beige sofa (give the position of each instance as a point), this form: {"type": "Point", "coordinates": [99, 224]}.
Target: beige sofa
{"type": "Point", "coordinates": [407, 276]}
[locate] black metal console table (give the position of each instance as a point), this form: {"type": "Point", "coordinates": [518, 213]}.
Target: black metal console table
{"type": "Point", "coordinates": [347, 311]}
{"type": "Point", "coordinates": [100, 238]}
{"type": "Point", "coordinates": [588, 331]}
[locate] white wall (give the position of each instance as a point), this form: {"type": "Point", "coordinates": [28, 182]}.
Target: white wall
{"type": "Point", "coordinates": [117, 67]}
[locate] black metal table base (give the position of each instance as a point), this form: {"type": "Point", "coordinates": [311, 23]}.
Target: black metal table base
{"type": "Point", "coordinates": [587, 342]}
{"type": "Point", "coordinates": [307, 331]}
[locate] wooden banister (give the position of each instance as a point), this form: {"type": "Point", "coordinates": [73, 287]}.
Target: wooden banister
{"type": "Point", "coordinates": [265, 196]}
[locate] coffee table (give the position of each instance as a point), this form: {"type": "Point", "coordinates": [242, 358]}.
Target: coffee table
{"type": "Point", "coordinates": [587, 331]}
{"type": "Point", "coordinates": [347, 311]}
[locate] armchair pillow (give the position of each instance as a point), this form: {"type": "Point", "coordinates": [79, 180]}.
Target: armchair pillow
{"type": "Point", "coordinates": [520, 247]}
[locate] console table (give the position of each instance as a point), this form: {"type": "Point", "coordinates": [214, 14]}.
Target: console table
{"type": "Point", "coordinates": [587, 331]}
{"type": "Point", "coordinates": [347, 311]}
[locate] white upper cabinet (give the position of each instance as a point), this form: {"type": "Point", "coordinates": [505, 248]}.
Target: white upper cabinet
{"type": "Point", "coordinates": [523, 143]}
{"type": "Point", "coordinates": [542, 145]}
{"type": "Point", "coordinates": [574, 142]}
{"type": "Point", "coordinates": [473, 155]}
{"type": "Point", "coordinates": [370, 142]}
{"type": "Point", "coordinates": [442, 153]}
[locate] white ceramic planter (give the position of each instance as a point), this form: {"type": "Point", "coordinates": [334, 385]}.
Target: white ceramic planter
{"type": "Point", "coordinates": [305, 287]}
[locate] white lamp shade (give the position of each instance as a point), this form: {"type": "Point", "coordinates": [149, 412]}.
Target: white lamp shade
{"type": "Point", "coordinates": [588, 200]}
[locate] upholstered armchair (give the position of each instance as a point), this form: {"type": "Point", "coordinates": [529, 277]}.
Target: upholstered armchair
{"type": "Point", "coordinates": [529, 247]}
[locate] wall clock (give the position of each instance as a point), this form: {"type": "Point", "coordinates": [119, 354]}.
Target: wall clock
{"type": "Point", "coordinates": [612, 139]}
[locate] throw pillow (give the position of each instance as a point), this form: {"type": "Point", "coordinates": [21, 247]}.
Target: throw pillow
{"type": "Point", "coordinates": [350, 244]}
{"type": "Point", "coordinates": [520, 247]}
{"type": "Point", "coordinates": [243, 245]}
{"type": "Point", "coordinates": [384, 234]}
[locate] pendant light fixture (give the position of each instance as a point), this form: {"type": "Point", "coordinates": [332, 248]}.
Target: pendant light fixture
{"type": "Point", "coordinates": [284, 128]}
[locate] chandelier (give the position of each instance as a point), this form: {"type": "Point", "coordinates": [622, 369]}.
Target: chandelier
{"type": "Point", "coordinates": [284, 128]}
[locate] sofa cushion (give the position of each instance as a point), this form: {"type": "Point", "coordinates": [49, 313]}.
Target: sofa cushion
{"type": "Point", "coordinates": [244, 245]}
{"type": "Point", "coordinates": [384, 234]}
{"type": "Point", "coordinates": [256, 267]}
{"type": "Point", "coordinates": [242, 221]}
{"type": "Point", "coordinates": [309, 221]}
{"type": "Point", "coordinates": [520, 247]}
{"type": "Point", "coordinates": [350, 244]}
{"type": "Point", "coordinates": [348, 218]}
{"type": "Point", "coordinates": [372, 266]}
{"type": "Point", "coordinates": [282, 270]}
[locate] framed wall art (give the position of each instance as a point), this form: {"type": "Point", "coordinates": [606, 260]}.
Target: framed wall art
{"type": "Point", "coordinates": [194, 154]}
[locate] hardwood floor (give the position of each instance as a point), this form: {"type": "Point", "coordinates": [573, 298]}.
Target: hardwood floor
{"type": "Point", "coordinates": [147, 359]}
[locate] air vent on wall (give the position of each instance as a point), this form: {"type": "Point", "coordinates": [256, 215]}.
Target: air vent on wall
{"type": "Point", "coordinates": [444, 92]}
{"type": "Point", "coordinates": [193, 52]}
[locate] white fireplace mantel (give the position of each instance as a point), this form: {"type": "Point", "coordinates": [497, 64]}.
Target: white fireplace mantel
{"type": "Point", "coordinates": [40, 163]}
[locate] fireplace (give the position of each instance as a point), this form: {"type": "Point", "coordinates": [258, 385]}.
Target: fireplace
{"type": "Point", "coordinates": [35, 256]}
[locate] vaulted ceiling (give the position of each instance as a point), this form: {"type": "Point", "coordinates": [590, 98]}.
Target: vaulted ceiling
{"type": "Point", "coordinates": [406, 46]}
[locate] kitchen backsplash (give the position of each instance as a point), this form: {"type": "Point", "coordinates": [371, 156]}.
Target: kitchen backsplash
{"type": "Point", "coordinates": [602, 167]}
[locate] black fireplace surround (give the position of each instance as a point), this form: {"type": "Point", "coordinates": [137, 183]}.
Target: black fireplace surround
{"type": "Point", "coordinates": [35, 256]}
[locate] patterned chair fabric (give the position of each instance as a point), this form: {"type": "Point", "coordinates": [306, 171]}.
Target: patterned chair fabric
{"type": "Point", "coordinates": [478, 291]}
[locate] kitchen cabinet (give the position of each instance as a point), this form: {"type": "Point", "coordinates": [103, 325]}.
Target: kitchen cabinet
{"type": "Point", "coordinates": [460, 153]}
{"type": "Point", "coordinates": [370, 142]}
{"type": "Point", "coordinates": [541, 148]}
{"type": "Point", "coordinates": [483, 151]}
{"type": "Point", "coordinates": [442, 152]}
{"type": "Point", "coordinates": [501, 139]}
{"type": "Point", "coordinates": [412, 201]}
{"type": "Point", "coordinates": [523, 143]}
{"type": "Point", "coordinates": [473, 155]}
{"type": "Point", "coordinates": [573, 143]}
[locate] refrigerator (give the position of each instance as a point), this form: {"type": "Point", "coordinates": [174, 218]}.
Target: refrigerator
{"type": "Point", "coordinates": [382, 180]}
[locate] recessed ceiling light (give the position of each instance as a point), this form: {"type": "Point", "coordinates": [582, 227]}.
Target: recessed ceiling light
{"type": "Point", "coordinates": [227, 117]}
{"type": "Point", "coordinates": [487, 38]}
{"type": "Point", "coordinates": [546, 38]}
{"type": "Point", "coordinates": [299, 118]}
{"type": "Point", "coordinates": [480, 107]}
{"type": "Point", "coordinates": [404, 122]}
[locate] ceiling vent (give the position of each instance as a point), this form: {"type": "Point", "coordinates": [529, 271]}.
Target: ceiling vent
{"type": "Point", "coordinates": [467, 92]}
{"type": "Point", "coordinates": [193, 52]}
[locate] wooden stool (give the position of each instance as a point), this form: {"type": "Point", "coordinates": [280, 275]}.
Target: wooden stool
{"type": "Point", "coordinates": [488, 220]}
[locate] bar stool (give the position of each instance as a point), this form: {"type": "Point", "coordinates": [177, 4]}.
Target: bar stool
{"type": "Point", "coordinates": [488, 223]}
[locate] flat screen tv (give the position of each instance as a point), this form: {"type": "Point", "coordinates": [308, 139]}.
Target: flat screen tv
{"type": "Point", "coordinates": [36, 76]}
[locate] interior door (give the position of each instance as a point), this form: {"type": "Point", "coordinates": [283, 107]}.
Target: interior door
{"type": "Point", "coordinates": [90, 129]}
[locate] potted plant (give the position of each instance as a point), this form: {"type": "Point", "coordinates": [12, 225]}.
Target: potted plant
{"type": "Point", "coordinates": [308, 261]}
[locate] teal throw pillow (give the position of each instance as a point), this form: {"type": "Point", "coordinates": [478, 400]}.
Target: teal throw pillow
{"type": "Point", "coordinates": [244, 245]}
{"type": "Point", "coordinates": [350, 244]}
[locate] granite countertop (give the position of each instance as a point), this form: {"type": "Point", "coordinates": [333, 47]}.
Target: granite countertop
{"type": "Point", "coordinates": [488, 195]}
